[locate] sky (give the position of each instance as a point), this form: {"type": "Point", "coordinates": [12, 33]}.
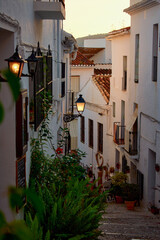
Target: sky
{"type": "Point", "coordinates": [89, 17]}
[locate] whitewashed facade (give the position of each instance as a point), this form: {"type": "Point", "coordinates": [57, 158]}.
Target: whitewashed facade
{"type": "Point", "coordinates": [24, 23]}
{"type": "Point", "coordinates": [119, 95]}
{"type": "Point", "coordinates": [144, 94]}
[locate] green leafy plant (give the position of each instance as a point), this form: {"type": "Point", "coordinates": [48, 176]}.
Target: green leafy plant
{"type": "Point", "coordinates": [131, 192]}
{"type": "Point", "coordinates": [14, 84]}
{"type": "Point", "coordinates": [119, 178]}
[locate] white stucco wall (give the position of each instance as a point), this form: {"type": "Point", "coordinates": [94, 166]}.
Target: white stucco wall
{"type": "Point", "coordinates": [120, 48]}
{"type": "Point", "coordinates": [85, 74]}
{"type": "Point", "coordinates": [146, 95]}
{"type": "Point", "coordinates": [20, 25]}
{"type": "Point", "coordinates": [99, 43]}
{"type": "Point", "coordinates": [104, 56]}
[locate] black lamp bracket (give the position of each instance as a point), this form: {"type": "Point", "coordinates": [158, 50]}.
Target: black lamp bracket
{"type": "Point", "coordinates": [70, 117]}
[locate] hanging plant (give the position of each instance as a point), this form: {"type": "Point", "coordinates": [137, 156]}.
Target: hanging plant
{"type": "Point", "coordinates": [157, 167]}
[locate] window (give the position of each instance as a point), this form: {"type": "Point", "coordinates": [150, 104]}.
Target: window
{"type": "Point", "coordinates": [155, 53]}
{"type": "Point", "coordinates": [90, 123]}
{"type": "Point", "coordinates": [114, 109]}
{"type": "Point", "coordinates": [62, 89]}
{"type": "Point", "coordinates": [100, 137]}
{"type": "Point", "coordinates": [75, 87]}
{"type": "Point", "coordinates": [21, 124]}
{"type": "Point", "coordinates": [136, 78]}
{"type": "Point", "coordinates": [124, 79]}
{"type": "Point", "coordinates": [122, 113]}
{"type": "Point", "coordinates": [41, 84]}
{"type": "Point", "coordinates": [63, 70]}
{"type": "Point", "coordinates": [82, 129]}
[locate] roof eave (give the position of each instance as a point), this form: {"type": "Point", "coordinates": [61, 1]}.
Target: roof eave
{"type": "Point", "coordinates": [140, 6]}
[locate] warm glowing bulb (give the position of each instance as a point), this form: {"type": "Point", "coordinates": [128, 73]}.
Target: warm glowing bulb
{"type": "Point", "coordinates": [15, 68]}
{"type": "Point", "coordinates": [80, 107]}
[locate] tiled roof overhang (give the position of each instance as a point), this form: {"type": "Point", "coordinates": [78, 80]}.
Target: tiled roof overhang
{"type": "Point", "coordinates": [81, 60]}
{"type": "Point", "coordinates": [118, 32]}
{"type": "Point", "coordinates": [89, 52]}
{"type": "Point", "coordinates": [140, 6]}
{"type": "Point", "coordinates": [103, 84]}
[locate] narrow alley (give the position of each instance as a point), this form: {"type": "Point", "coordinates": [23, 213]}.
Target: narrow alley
{"type": "Point", "coordinates": [120, 223]}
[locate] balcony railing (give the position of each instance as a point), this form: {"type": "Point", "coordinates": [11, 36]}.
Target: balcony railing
{"type": "Point", "coordinates": [133, 143]}
{"type": "Point", "coordinates": [118, 133]}
{"type": "Point", "coordinates": [62, 1]}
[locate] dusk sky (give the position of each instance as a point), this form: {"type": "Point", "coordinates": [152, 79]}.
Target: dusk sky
{"type": "Point", "coordinates": [87, 17]}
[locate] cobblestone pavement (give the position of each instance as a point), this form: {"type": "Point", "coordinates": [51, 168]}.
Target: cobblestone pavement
{"type": "Point", "coordinates": [122, 224]}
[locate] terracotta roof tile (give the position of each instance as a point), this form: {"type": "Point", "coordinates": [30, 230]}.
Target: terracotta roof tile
{"type": "Point", "coordinates": [81, 60]}
{"type": "Point", "coordinates": [98, 71]}
{"type": "Point", "coordinates": [103, 84]}
{"type": "Point", "coordinates": [89, 52]}
{"type": "Point", "coordinates": [119, 31]}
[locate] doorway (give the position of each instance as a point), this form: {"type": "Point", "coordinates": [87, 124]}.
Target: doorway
{"type": "Point", "coordinates": [151, 176]}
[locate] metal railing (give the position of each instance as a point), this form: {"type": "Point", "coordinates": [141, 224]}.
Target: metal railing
{"type": "Point", "coordinates": [62, 1]}
{"type": "Point", "coordinates": [118, 133]}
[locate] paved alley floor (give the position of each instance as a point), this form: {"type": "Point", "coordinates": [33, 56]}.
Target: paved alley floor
{"type": "Point", "coordinates": [122, 224]}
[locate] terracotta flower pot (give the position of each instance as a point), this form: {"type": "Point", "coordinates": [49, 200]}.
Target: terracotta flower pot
{"type": "Point", "coordinates": [155, 210]}
{"type": "Point", "coordinates": [130, 205]}
{"type": "Point", "coordinates": [119, 199]}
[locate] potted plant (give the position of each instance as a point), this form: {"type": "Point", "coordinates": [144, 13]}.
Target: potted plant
{"type": "Point", "coordinates": [153, 208]}
{"type": "Point", "coordinates": [131, 194]}
{"type": "Point", "coordinates": [117, 180]}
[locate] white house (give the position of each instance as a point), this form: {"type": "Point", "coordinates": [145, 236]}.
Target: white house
{"type": "Point", "coordinates": [31, 25]}
{"type": "Point", "coordinates": [142, 141]}
{"type": "Point", "coordinates": [93, 125]}
{"type": "Point", "coordinates": [119, 94]}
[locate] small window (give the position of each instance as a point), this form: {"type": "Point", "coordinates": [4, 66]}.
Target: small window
{"type": "Point", "coordinates": [114, 109]}
{"type": "Point", "coordinates": [124, 79]}
{"type": "Point", "coordinates": [82, 129]}
{"type": "Point", "coordinates": [100, 137]}
{"type": "Point", "coordinates": [62, 89]}
{"type": "Point", "coordinates": [155, 53]}
{"type": "Point", "coordinates": [90, 128]}
{"type": "Point", "coordinates": [21, 124]}
{"type": "Point", "coordinates": [136, 78]}
{"type": "Point", "coordinates": [63, 70]}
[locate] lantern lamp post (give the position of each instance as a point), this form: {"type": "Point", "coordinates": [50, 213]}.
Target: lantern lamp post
{"type": "Point", "coordinates": [16, 63]}
{"type": "Point", "coordinates": [80, 104]}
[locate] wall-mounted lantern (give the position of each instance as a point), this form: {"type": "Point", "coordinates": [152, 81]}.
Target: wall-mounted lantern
{"type": "Point", "coordinates": [16, 63]}
{"type": "Point", "coordinates": [32, 63]}
{"type": "Point", "coordinates": [80, 104]}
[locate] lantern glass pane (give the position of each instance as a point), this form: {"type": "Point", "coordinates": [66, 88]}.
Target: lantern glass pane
{"type": "Point", "coordinates": [80, 106]}
{"type": "Point", "coordinates": [14, 67]}
{"type": "Point", "coordinates": [32, 67]}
